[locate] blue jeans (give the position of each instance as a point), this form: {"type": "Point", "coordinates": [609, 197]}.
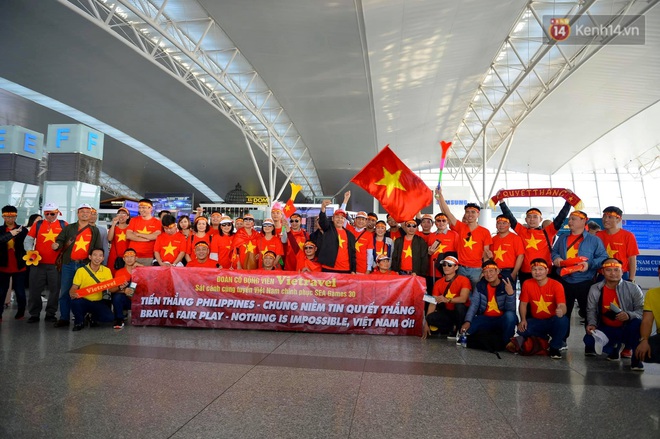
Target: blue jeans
{"type": "Point", "coordinates": [506, 323]}
{"type": "Point", "coordinates": [555, 327]}
{"type": "Point", "coordinates": [99, 310]}
{"type": "Point", "coordinates": [120, 302]}
{"type": "Point", "coordinates": [627, 334]}
{"type": "Point", "coordinates": [68, 272]}
{"type": "Point", "coordinates": [474, 274]}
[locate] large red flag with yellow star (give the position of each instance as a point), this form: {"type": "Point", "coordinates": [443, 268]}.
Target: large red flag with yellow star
{"type": "Point", "coordinates": [390, 181]}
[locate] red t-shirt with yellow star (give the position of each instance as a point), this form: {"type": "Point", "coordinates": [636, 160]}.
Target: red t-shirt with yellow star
{"type": "Point", "coordinates": [273, 243]}
{"type": "Point", "coordinates": [609, 296]}
{"type": "Point", "coordinates": [472, 243]}
{"type": "Point", "coordinates": [406, 255]}
{"type": "Point", "coordinates": [535, 245]}
{"type": "Point", "coordinates": [506, 250]}
{"type": "Point", "coordinates": [142, 226]}
{"type": "Point", "coordinates": [47, 233]}
{"type": "Point", "coordinates": [620, 245]}
{"type": "Point", "coordinates": [118, 246]}
{"type": "Point", "coordinates": [447, 242]}
{"type": "Point", "coordinates": [342, 262]}
{"type": "Point", "coordinates": [80, 247]}
{"type": "Point", "coordinates": [169, 246]}
{"type": "Point", "coordinates": [364, 243]}
{"type": "Point", "coordinates": [454, 290]}
{"type": "Point", "coordinates": [222, 245]}
{"type": "Point", "coordinates": [492, 309]}
{"type": "Point", "coordinates": [544, 299]}
{"type": "Point", "coordinates": [12, 264]}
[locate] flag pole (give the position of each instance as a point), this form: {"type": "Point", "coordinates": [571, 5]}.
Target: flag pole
{"type": "Point", "coordinates": [445, 149]}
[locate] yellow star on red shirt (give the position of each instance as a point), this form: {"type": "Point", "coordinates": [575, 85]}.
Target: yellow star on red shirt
{"type": "Point", "coordinates": [469, 242]}
{"type": "Point", "coordinates": [390, 181]}
{"type": "Point", "coordinates": [542, 306]}
{"type": "Point", "coordinates": [492, 305]}
{"type": "Point", "coordinates": [122, 236]}
{"type": "Point", "coordinates": [499, 253]}
{"type": "Point", "coordinates": [450, 295]}
{"type": "Point", "coordinates": [144, 231]}
{"type": "Point", "coordinates": [571, 252]}
{"type": "Point", "coordinates": [611, 252]}
{"type": "Point", "coordinates": [407, 253]}
{"type": "Point", "coordinates": [532, 242]}
{"type": "Point", "coordinates": [341, 241]}
{"type": "Point", "coordinates": [358, 244]}
{"type": "Point", "coordinates": [441, 248]}
{"type": "Point", "coordinates": [49, 236]}
{"type": "Point", "coordinates": [81, 244]}
{"type": "Point", "coordinates": [169, 250]}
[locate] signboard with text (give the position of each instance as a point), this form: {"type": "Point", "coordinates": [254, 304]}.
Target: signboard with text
{"type": "Point", "coordinates": [281, 301]}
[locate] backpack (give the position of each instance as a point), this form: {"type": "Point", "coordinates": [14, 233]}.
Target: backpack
{"type": "Point", "coordinates": [490, 341]}
{"type": "Point", "coordinates": [528, 346]}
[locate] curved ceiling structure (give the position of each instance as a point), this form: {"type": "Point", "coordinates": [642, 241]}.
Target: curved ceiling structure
{"type": "Point", "coordinates": [322, 86]}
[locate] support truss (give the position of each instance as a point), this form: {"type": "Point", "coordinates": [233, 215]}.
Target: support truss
{"type": "Point", "coordinates": [115, 188]}
{"type": "Point", "coordinates": [526, 69]}
{"type": "Point", "coordinates": [180, 36]}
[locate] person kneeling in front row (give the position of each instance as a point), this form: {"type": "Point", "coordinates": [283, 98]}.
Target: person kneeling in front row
{"type": "Point", "coordinates": [548, 308]}
{"type": "Point", "coordinates": [492, 304]}
{"type": "Point", "coordinates": [87, 276]}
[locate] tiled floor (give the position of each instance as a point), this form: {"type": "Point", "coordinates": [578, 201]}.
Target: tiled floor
{"type": "Point", "coordinates": [146, 382]}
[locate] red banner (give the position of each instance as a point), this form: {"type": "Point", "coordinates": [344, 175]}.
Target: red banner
{"type": "Point", "coordinates": [285, 301]}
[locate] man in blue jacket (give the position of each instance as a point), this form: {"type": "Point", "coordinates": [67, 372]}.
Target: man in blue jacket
{"type": "Point", "coordinates": [569, 246]}
{"type": "Point", "coordinates": [492, 304]}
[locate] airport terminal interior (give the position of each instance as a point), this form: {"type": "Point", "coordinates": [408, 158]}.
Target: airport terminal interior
{"type": "Point", "coordinates": [213, 98]}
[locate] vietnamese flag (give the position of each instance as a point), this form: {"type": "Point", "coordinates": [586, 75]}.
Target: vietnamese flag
{"type": "Point", "coordinates": [402, 193]}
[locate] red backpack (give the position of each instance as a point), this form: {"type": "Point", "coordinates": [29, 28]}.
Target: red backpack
{"type": "Point", "coordinates": [528, 346]}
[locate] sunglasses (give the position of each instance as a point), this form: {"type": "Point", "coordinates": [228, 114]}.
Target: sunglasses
{"type": "Point", "coordinates": [225, 225]}
{"type": "Point", "coordinates": [295, 221]}
{"type": "Point", "coordinates": [440, 221]}
{"type": "Point", "coordinates": [447, 264]}
{"type": "Point", "coordinates": [248, 219]}
{"type": "Point", "coordinates": [309, 247]}
{"type": "Point", "coordinates": [50, 213]}
{"type": "Point", "coordinates": [268, 225]}
{"type": "Point", "coordinates": [411, 225]}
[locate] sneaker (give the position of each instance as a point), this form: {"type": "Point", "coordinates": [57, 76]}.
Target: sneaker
{"type": "Point", "coordinates": [589, 352]}
{"type": "Point", "coordinates": [626, 353]}
{"type": "Point", "coordinates": [119, 324]}
{"type": "Point", "coordinates": [33, 319]}
{"type": "Point", "coordinates": [454, 337]}
{"type": "Point", "coordinates": [637, 366]}
{"type": "Point", "coordinates": [78, 327]}
{"type": "Point", "coordinates": [555, 354]}
{"type": "Point", "coordinates": [50, 319]}
{"type": "Point", "coordinates": [563, 347]}
{"type": "Point", "coordinates": [614, 356]}
{"type": "Point", "coordinates": [19, 315]}
{"type": "Point", "coordinates": [61, 324]}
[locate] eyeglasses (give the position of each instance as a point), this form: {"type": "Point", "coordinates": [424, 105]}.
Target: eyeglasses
{"type": "Point", "coordinates": [447, 264]}
{"type": "Point", "coordinates": [294, 221]}
{"type": "Point", "coordinates": [50, 213]}
{"type": "Point", "coordinates": [309, 247]}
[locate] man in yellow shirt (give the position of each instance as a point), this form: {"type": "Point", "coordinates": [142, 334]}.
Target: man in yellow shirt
{"type": "Point", "coordinates": [92, 303]}
{"type": "Point", "coordinates": [648, 348]}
